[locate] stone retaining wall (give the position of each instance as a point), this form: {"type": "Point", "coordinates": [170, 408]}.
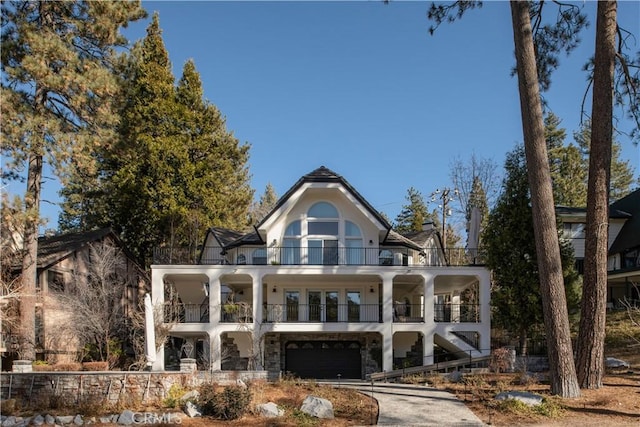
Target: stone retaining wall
{"type": "Point", "coordinates": [112, 386]}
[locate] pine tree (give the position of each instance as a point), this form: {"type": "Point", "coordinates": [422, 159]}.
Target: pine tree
{"type": "Point", "coordinates": [413, 214]}
{"type": "Point", "coordinates": [510, 252]}
{"type": "Point", "coordinates": [621, 170]}
{"type": "Point", "coordinates": [56, 90]}
{"type": "Point", "coordinates": [175, 170]}
{"type": "Point", "coordinates": [261, 208]}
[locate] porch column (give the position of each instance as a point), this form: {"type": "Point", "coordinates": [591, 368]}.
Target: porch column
{"type": "Point", "coordinates": [257, 333]}
{"type": "Point", "coordinates": [216, 351]}
{"type": "Point", "coordinates": [387, 321]}
{"type": "Point", "coordinates": [157, 301]}
{"type": "Point", "coordinates": [429, 320]}
{"type": "Point", "coordinates": [485, 310]}
{"type": "Point", "coordinates": [214, 299]}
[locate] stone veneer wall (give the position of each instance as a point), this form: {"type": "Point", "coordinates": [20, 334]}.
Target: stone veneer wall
{"type": "Point", "coordinates": [113, 386]}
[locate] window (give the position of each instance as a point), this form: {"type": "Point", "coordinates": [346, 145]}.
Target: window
{"type": "Point", "coordinates": [573, 230]}
{"type": "Point", "coordinates": [353, 306]}
{"type": "Point", "coordinates": [323, 231]}
{"type": "Point", "coordinates": [386, 257]}
{"type": "Point", "coordinates": [291, 242]}
{"type": "Point", "coordinates": [55, 281]}
{"type": "Point", "coordinates": [260, 256]}
{"type": "Point", "coordinates": [353, 243]}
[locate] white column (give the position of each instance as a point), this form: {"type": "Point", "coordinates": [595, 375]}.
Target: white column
{"type": "Point", "coordinates": [257, 321]}
{"type": "Point", "coordinates": [429, 320]}
{"type": "Point", "coordinates": [157, 301]}
{"type": "Point", "coordinates": [387, 321]}
{"type": "Point", "coordinates": [485, 311]}
{"type": "Point", "coordinates": [214, 300]}
{"type": "Point", "coordinates": [216, 351]}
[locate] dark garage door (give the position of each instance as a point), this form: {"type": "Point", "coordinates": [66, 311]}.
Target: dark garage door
{"type": "Point", "coordinates": [323, 359]}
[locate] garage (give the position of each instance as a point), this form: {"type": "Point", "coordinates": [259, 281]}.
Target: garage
{"type": "Point", "coordinates": [323, 359]}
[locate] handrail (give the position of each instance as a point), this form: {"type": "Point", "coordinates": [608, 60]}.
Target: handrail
{"type": "Point", "coordinates": [385, 375]}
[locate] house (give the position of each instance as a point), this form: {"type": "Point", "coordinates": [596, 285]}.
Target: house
{"type": "Point", "coordinates": [322, 287]}
{"type": "Point", "coordinates": [69, 258]}
{"type": "Point", "coordinates": [623, 268]}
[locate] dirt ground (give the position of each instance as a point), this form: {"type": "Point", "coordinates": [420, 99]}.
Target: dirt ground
{"type": "Point", "coordinates": [615, 404]}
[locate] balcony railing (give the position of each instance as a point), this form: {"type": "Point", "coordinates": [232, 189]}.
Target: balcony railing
{"type": "Point", "coordinates": [457, 313]}
{"type": "Point", "coordinates": [318, 256]}
{"type": "Point", "coordinates": [322, 313]}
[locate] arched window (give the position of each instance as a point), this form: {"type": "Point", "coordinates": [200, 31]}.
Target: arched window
{"type": "Point", "coordinates": [353, 243]}
{"type": "Point", "coordinates": [259, 256]}
{"type": "Point", "coordinates": [323, 233]}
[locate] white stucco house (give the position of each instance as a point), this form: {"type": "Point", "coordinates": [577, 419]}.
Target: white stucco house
{"type": "Point", "coordinates": [323, 287]}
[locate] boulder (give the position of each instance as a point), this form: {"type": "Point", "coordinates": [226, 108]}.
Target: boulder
{"type": "Point", "coordinates": [317, 407]}
{"type": "Point", "coordinates": [192, 410]}
{"type": "Point", "coordinates": [49, 419]}
{"type": "Point", "coordinates": [126, 418]}
{"type": "Point", "coordinates": [190, 395]}
{"type": "Point", "coordinates": [77, 420]}
{"type": "Point", "coordinates": [67, 419]}
{"type": "Point", "coordinates": [269, 410]}
{"type": "Point", "coordinates": [455, 376]}
{"type": "Point", "coordinates": [10, 421]}
{"type": "Point", "coordinates": [38, 420]}
{"type": "Point", "coordinates": [529, 399]}
{"type": "Point", "coordinates": [613, 363]}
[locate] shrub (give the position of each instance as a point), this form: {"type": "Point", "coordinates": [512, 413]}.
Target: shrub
{"type": "Point", "coordinates": [230, 404]}
{"type": "Point", "coordinates": [500, 360]}
{"type": "Point", "coordinates": [174, 395]}
{"type": "Point", "coordinates": [95, 366]}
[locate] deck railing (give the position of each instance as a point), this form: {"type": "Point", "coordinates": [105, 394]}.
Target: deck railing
{"type": "Point", "coordinates": [318, 256]}
{"type": "Point", "coordinates": [321, 313]}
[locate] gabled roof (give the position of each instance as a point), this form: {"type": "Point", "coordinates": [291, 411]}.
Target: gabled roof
{"type": "Point", "coordinates": [420, 237]}
{"type": "Point", "coordinates": [52, 249]}
{"type": "Point", "coordinates": [629, 235]}
{"type": "Point", "coordinates": [395, 239]}
{"type": "Point", "coordinates": [325, 175]}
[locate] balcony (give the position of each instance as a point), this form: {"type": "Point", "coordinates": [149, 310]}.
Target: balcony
{"type": "Point", "coordinates": [321, 313]}
{"type": "Point", "coordinates": [318, 256]}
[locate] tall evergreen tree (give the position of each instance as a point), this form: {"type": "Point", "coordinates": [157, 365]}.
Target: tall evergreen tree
{"type": "Point", "coordinates": [262, 207]}
{"type": "Point", "coordinates": [510, 253]}
{"type": "Point", "coordinates": [175, 170]}
{"type": "Point", "coordinates": [57, 87]}
{"type": "Point", "coordinates": [621, 181]}
{"type": "Point", "coordinates": [568, 172]}
{"type": "Point", "coordinates": [413, 214]}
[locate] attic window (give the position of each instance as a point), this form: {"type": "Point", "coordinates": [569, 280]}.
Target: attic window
{"type": "Point", "coordinates": [323, 210]}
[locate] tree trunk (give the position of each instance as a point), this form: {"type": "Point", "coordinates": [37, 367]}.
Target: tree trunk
{"type": "Point", "coordinates": [590, 360]}
{"type": "Point", "coordinates": [556, 318]}
{"type": "Point", "coordinates": [30, 257]}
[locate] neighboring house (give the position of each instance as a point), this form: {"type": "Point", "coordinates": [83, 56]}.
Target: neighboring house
{"type": "Point", "coordinates": [623, 240]}
{"type": "Point", "coordinates": [63, 259]}
{"type": "Point", "coordinates": [322, 287]}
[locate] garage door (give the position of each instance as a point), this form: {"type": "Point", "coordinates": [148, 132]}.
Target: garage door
{"type": "Point", "coordinates": [323, 359]}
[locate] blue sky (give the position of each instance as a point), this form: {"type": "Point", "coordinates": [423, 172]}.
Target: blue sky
{"type": "Point", "coordinates": [363, 89]}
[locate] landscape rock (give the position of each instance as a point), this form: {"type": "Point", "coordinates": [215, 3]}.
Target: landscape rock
{"type": "Point", "coordinates": [9, 421]}
{"type": "Point", "coordinates": [317, 407]}
{"type": "Point", "coordinates": [269, 410]}
{"type": "Point", "coordinates": [192, 410]}
{"type": "Point", "coordinates": [105, 420]}
{"type": "Point", "coordinates": [241, 383]}
{"type": "Point", "coordinates": [126, 418]}
{"type": "Point", "coordinates": [613, 363]}
{"type": "Point", "coordinates": [38, 420]}
{"type": "Point", "coordinates": [66, 419]}
{"type": "Point", "coordinates": [77, 420]}
{"type": "Point", "coordinates": [190, 395]}
{"type": "Point", "coordinates": [49, 419]}
{"type": "Point", "coordinates": [527, 398]}
{"type": "Point", "coordinates": [455, 376]}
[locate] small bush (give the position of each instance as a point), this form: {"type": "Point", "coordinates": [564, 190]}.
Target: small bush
{"type": "Point", "coordinates": [500, 360]}
{"type": "Point", "coordinates": [174, 395]}
{"type": "Point", "coordinates": [66, 367]}
{"type": "Point", "coordinates": [9, 406]}
{"type": "Point", "coordinates": [95, 366]}
{"type": "Point", "coordinates": [230, 404]}
{"type": "Point", "coordinates": [91, 405]}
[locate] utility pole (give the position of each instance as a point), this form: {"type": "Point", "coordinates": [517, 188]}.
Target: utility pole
{"type": "Point", "coordinates": [446, 197]}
